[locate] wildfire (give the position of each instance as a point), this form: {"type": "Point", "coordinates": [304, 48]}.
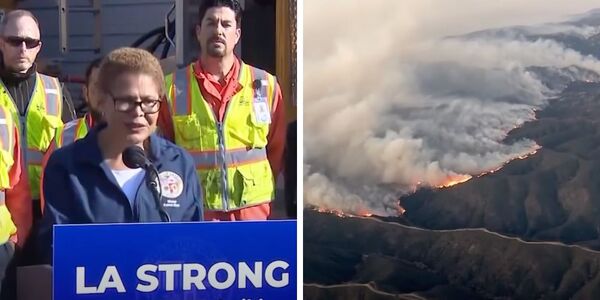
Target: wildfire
{"type": "Point", "coordinates": [364, 213]}
{"type": "Point", "coordinates": [454, 180]}
{"type": "Point", "coordinates": [361, 212]}
{"type": "Point", "coordinates": [400, 209]}
{"type": "Point", "coordinates": [524, 156]}
{"type": "Point", "coordinates": [529, 154]}
{"type": "Point", "coordinates": [338, 213]}
{"type": "Point", "coordinates": [492, 171]}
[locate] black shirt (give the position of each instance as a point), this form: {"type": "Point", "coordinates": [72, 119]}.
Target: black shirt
{"type": "Point", "coordinates": [21, 87]}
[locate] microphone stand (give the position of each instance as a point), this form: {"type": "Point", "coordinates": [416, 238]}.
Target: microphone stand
{"type": "Point", "coordinates": [156, 188]}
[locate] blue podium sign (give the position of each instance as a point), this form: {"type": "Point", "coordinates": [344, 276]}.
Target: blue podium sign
{"type": "Point", "coordinates": [207, 260]}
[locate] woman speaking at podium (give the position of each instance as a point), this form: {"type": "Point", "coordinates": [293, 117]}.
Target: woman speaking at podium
{"type": "Point", "coordinates": [121, 171]}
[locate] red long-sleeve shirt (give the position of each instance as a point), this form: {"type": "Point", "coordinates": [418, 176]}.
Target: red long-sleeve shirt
{"type": "Point", "coordinates": [218, 94]}
{"type": "Point", "coordinates": [18, 197]}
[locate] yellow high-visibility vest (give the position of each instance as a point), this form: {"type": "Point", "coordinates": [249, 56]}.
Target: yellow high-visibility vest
{"type": "Point", "coordinates": [230, 156]}
{"type": "Point", "coordinates": [38, 126]}
{"type": "Point", "coordinates": [7, 149]}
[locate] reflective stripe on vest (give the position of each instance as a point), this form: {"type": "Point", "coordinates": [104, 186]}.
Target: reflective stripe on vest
{"type": "Point", "coordinates": [71, 132]}
{"type": "Point", "coordinates": [231, 159]}
{"type": "Point", "coordinates": [52, 93]}
{"type": "Point", "coordinates": [34, 157]}
{"type": "Point", "coordinates": [236, 157]}
{"type": "Point", "coordinates": [7, 139]}
{"type": "Point", "coordinates": [68, 134]}
{"type": "Point", "coordinates": [6, 131]}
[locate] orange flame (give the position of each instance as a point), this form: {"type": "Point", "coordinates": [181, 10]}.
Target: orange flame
{"type": "Point", "coordinates": [400, 209]}
{"type": "Point", "coordinates": [361, 212]}
{"type": "Point", "coordinates": [524, 156]}
{"type": "Point", "coordinates": [454, 180]}
{"type": "Point", "coordinates": [332, 211]}
{"type": "Point", "coordinates": [364, 213]}
{"type": "Point", "coordinates": [529, 154]}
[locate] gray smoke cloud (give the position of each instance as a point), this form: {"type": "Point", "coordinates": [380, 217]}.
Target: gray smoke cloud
{"type": "Point", "coordinates": [392, 102]}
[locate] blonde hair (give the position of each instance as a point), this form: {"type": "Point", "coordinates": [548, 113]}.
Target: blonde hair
{"type": "Point", "coordinates": [130, 60]}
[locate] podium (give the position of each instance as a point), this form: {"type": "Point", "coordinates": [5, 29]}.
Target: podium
{"type": "Point", "coordinates": [203, 260]}
{"type": "Point", "coordinates": [34, 282]}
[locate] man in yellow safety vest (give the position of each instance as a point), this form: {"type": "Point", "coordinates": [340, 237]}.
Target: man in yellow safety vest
{"type": "Point", "coordinates": [230, 116]}
{"type": "Point", "coordinates": [15, 204]}
{"type": "Point", "coordinates": [36, 100]}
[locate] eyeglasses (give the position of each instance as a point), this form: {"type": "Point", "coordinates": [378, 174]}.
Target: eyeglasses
{"type": "Point", "coordinates": [128, 104]}
{"type": "Point", "coordinates": [16, 41]}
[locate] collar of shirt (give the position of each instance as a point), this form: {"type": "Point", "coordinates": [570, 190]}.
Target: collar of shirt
{"type": "Point", "coordinates": [203, 74]}
{"type": "Point", "coordinates": [218, 89]}
{"type": "Point", "coordinates": [12, 79]}
{"type": "Point", "coordinates": [89, 120]}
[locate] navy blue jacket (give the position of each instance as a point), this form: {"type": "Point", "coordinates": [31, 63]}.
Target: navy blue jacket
{"type": "Point", "coordinates": [79, 188]}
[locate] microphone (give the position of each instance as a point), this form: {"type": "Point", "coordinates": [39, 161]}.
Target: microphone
{"type": "Point", "coordinates": [134, 157]}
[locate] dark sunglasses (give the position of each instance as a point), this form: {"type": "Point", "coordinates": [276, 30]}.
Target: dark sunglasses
{"type": "Point", "coordinates": [16, 41]}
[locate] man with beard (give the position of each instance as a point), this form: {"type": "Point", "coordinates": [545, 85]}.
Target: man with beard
{"type": "Point", "coordinates": [79, 128]}
{"type": "Point", "coordinates": [230, 116]}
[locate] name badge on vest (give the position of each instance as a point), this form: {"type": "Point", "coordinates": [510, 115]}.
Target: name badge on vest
{"type": "Point", "coordinates": [261, 107]}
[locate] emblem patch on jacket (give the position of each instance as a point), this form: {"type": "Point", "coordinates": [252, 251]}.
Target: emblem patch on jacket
{"type": "Point", "coordinates": [172, 187]}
